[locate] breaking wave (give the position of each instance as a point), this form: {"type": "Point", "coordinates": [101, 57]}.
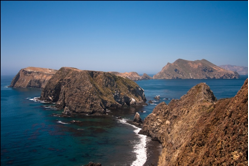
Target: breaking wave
{"type": "Point", "coordinates": [61, 122]}
{"type": "Point", "coordinates": [140, 148]}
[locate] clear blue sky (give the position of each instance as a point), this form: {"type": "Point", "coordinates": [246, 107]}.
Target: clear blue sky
{"type": "Point", "coordinates": [121, 36]}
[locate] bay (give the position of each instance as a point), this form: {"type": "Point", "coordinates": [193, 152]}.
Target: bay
{"type": "Point", "coordinates": [31, 135]}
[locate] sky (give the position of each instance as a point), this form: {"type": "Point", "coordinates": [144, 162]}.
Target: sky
{"type": "Point", "coordinates": [140, 36]}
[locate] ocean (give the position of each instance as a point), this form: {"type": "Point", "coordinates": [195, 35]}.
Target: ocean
{"type": "Point", "coordinates": [32, 134]}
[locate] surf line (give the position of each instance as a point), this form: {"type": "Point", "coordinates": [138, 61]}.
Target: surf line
{"type": "Point", "coordinates": [140, 148]}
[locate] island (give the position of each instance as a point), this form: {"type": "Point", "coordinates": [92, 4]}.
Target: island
{"type": "Point", "coordinates": [90, 92]}
{"type": "Point", "coordinates": [241, 70]}
{"type": "Point", "coordinates": [32, 77]}
{"type": "Point", "coordinates": [199, 69]}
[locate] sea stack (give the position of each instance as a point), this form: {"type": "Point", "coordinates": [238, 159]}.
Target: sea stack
{"type": "Point", "coordinates": [199, 130]}
{"type": "Point", "coordinates": [91, 92]}
{"type": "Point", "coordinates": [32, 77]}
{"type": "Point", "coordinates": [199, 69]}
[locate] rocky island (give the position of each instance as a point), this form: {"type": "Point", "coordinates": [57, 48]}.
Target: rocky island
{"type": "Point", "coordinates": [32, 77]}
{"type": "Point", "coordinates": [199, 130]}
{"type": "Point", "coordinates": [133, 76]}
{"type": "Point", "coordinates": [90, 92]}
{"type": "Point", "coordinates": [199, 69]}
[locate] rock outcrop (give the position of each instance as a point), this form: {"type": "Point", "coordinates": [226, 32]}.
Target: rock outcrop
{"type": "Point", "coordinates": [91, 92]}
{"type": "Point", "coordinates": [241, 70]}
{"type": "Point", "coordinates": [199, 69]}
{"type": "Point", "coordinates": [199, 130]}
{"type": "Point", "coordinates": [133, 75]}
{"type": "Point", "coordinates": [32, 77]}
{"type": "Point", "coordinates": [93, 164]}
{"type": "Point", "coordinates": [137, 118]}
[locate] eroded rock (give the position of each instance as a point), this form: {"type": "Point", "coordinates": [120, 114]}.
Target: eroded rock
{"type": "Point", "coordinates": [199, 130]}
{"type": "Point", "coordinates": [32, 77]}
{"type": "Point", "coordinates": [90, 92]}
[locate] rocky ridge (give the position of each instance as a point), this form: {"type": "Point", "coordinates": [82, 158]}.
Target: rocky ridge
{"type": "Point", "coordinates": [90, 92]}
{"type": "Point", "coordinates": [199, 130]}
{"type": "Point", "coordinates": [199, 69]}
{"type": "Point", "coordinates": [133, 76]}
{"type": "Point", "coordinates": [32, 77]}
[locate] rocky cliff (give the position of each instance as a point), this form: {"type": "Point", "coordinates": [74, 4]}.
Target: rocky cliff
{"type": "Point", "coordinates": [241, 70]}
{"type": "Point", "coordinates": [199, 130]}
{"type": "Point", "coordinates": [32, 77]}
{"type": "Point", "coordinates": [199, 69]}
{"type": "Point", "coordinates": [82, 91]}
{"type": "Point", "coordinates": [133, 76]}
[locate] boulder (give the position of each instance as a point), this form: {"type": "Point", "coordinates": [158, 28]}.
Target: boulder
{"type": "Point", "coordinates": [157, 97]}
{"type": "Point", "coordinates": [137, 118]}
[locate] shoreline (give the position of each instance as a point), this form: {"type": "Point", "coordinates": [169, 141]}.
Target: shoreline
{"type": "Point", "coordinates": [154, 149]}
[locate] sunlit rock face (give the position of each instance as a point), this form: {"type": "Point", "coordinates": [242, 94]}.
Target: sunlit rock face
{"type": "Point", "coordinates": [199, 69]}
{"type": "Point", "coordinates": [91, 92]}
{"type": "Point", "coordinates": [199, 130]}
{"type": "Point", "coordinates": [32, 77]}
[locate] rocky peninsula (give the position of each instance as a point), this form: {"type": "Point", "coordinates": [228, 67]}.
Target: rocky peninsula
{"type": "Point", "coordinates": [199, 69]}
{"type": "Point", "coordinates": [32, 77]}
{"type": "Point", "coordinates": [199, 130]}
{"type": "Point", "coordinates": [133, 76]}
{"type": "Point", "coordinates": [90, 92]}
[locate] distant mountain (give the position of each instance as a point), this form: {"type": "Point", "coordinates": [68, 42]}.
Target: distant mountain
{"type": "Point", "coordinates": [239, 69]}
{"type": "Point", "coordinates": [199, 69]}
{"type": "Point", "coordinates": [132, 75]}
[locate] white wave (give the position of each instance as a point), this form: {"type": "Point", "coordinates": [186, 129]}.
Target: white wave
{"type": "Point", "coordinates": [36, 99]}
{"type": "Point", "coordinates": [139, 148]}
{"type": "Point", "coordinates": [153, 104]}
{"type": "Point", "coordinates": [61, 122]}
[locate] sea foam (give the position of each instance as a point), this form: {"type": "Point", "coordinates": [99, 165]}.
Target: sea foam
{"type": "Point", "coordinates": [61, 122]}
{"type": "Point", "coordinates": [140, 148]}
{"type": "Point", "coordinates": [36, 99]}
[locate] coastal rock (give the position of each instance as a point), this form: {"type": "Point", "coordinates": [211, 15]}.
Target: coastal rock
{"type": "Point", "coordinates": [146, 77]}
{"type": "Point", "coordinates": [137, 118]}
{"type": "Point", "coordinates": [132, 75]}
{"type": "Point", "coordinates": [90, 92]}
{"type": "Point", "coordinates": [32, 77]}
{"type": "Point", "coordinates": [157, 97]}
{"type": "Point", "coordinates": [199, 130]}
{"type": "Point", "coordinates": [199, 69]}
{"type": "Point", "coordinates": [93, 164]}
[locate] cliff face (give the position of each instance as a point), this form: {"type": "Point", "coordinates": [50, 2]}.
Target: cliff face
{"type": "Point", "coordinates": [132, 76]}
{"type": "Point", "coordinates": [81, 91]}
{"type": "Point", "coordinates": [241, 70]}
{"type": "Point", "coordinates": [198, 130]}
{"type": "Point", "coordinates": [199, 69]}
{"type": "Point", "coordinates": [32, 77]}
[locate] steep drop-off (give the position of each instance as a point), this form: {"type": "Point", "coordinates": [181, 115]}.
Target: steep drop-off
{"type": "Point", "coordinates": [199, 69]}
{"type": "Point", "coordinates": [199, 130]}
{"type": "Point", "coordinates": [32, 77]}
{"type": "Point", "coordinates": [82, 91]}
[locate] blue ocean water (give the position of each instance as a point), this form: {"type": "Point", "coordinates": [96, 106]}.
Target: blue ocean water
{"type": "Point", "coordinates": [32, 135]}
